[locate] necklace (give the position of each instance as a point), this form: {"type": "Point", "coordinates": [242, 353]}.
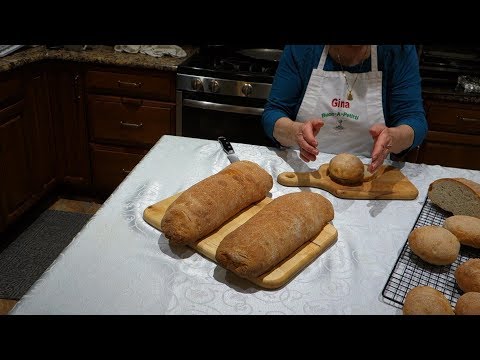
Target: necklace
{"type": "Point", "coordinates": [350, 88]}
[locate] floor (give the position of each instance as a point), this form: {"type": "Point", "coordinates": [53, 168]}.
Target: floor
{"type": "Point", "coordinates": [63, 205]}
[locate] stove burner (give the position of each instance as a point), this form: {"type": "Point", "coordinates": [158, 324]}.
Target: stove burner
{"type": "Point", "coordinates": [241, 65]}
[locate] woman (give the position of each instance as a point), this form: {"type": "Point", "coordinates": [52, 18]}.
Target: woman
{"type": "Point", "coordinates": [360, 99]}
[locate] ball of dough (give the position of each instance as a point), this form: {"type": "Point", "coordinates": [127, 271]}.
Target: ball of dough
{"type": "Point", "coordinates": [468, 304]}
{"type": "Point", "coordinates": [346, 169]}
{"type": "Point", "coordinates": [425, 300]}
{"type": "Point", "coordinates": [468, 275]}
{"type": "Point", "coordinates": [434, 244]}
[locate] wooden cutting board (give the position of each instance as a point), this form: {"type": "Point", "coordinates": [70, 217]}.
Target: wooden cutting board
{"type": "Point", "coordinates": [273, 279]}
{"type": "Point", "coordinates": [388, 182]}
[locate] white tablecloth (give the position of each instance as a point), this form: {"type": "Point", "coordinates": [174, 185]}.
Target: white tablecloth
{"type": "Point", "coordinates": [118, 264]}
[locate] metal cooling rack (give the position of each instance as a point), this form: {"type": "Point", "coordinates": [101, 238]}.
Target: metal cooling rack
{"type": "Point", "coordinates": [411, 271]}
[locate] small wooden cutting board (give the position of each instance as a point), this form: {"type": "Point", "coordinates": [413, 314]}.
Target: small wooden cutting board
{"type": "Point", "coordinates": [388, 182]}
{"type": "Point", "coordinates": [278, 276]}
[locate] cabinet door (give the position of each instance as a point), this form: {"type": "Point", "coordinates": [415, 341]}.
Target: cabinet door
{"type": "Point", "coordinates": [37, 113]}
{"type": "Point", "coordinates": [68, 112]}
{"type": "Point", "coordinates": [14, 162]}
{"type": "Point", "coordinates": [449, 149]}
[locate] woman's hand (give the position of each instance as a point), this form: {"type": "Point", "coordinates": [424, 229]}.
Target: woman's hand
{"type": "Point", "coordinates": [387, 140]}
{"type": "Point", "coordinates": [306, 139]}
{"type": "Point", "coordinates": [291, 133]}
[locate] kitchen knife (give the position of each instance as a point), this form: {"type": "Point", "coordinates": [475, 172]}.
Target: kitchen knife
{"type": "Point", "coordinates": [227, 147]}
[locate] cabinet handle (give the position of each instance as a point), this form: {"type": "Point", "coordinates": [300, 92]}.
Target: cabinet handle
{"type": "Point", "coordinates": [461, 118]}
{"type": "Point", "coordinates": [131, 101]}
{"type": "Point", "coordinates": [126, 171]}
{"type": "Point", "coordinates": [129, 84]}
{"type": "Point", "coordinates": [131, 125]}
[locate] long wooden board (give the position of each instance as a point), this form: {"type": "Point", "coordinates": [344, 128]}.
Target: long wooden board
{"type": "Point", "coordinates": [277, 277]}
{"type": "Point", "coordinates": [388, 182]}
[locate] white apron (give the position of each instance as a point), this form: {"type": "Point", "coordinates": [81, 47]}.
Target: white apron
{"type": "Point", "coordinates": [347, 122]}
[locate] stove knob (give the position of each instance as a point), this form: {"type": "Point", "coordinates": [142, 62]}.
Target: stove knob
{"type": "Point", "coordinates": [247, 89]}
{"type": "Point", "coordinates": [214, 86]}
{"type": "Point", "coordinates": [197, 84]}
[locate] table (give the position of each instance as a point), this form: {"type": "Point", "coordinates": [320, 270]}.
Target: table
{"type": "Point", "coordinates": [118, 264]}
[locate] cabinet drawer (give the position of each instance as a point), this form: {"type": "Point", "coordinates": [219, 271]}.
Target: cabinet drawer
{"type": "Point", "coordinates": [111, 165]}
{"type": "Point", "coordinates": [128, 120]}
{"type": "Point", "coordinates": [159, 86]}
{"type": "Point", "coordinates": [456, 118]}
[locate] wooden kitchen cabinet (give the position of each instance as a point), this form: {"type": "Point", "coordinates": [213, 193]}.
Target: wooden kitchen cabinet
{"type": "Point", "coordinates": [66, 86]}
{"type": "Point", "coordinates": [129, 110]}
{"type": "Point", "coordinates": [15, 161]}
{"type": "Point", "coordinates": [43, 148]}
{"type": "Point", "coordinates": [453, 137]}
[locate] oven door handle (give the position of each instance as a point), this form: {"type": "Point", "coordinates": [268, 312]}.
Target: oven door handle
{"type": "Point", "coordinates": [222, 107]}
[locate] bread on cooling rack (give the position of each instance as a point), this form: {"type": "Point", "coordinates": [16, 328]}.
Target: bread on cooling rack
{"type": "Point", "coordinates": [468, 275]}
{"type": "Point", "coordinates": [465, 228]}
{"type": "Point", "coordinates": [434, 244]}
{"type": "Point", "coordinates": [456, 195]}
{"type": "Point", "coordinates": [425, 300]}
{"type": "Point", "coordinates": [468, 304]}
{"type": "Point", "coordinates": [346, 169]}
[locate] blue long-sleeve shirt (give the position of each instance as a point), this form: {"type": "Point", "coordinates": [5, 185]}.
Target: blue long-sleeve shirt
{"type": "Point", "coordinates": [401, 85]}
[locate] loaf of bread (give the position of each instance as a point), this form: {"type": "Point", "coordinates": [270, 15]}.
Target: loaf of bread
{"type": "Point", "coordinates": [274, 233]}
{"type": "Point", "coordinates": [346, 169]}
{"type": "Point", "coordinates": [467, 275]}
{"type": "Point", "coordinates": [206, 205]}
{"type": "Point", "coordinates": [465, 228]}
{"type": "Point", "coordinates": [425, 300]}
{"type": "Point", "coordinates": [456, 195]}
{"type": "Point", "coordinates": [434, 244]}
{"type": "Point", "coordinates": [468, 304]}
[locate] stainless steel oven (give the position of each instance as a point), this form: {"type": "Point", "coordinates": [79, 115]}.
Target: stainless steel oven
{"type": "Point", "coordinates": [223, 96]}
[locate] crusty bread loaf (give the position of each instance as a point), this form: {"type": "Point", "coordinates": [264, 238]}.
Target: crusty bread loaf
{"type": "Point", "coordinates": [206, 205]}
{"type": "Point", "coordinates": [468, 304]}
{"type": "Point", "coordinates": [465, 228]}
{"type": "Point", "coordinates": [434, 244]}
{"type": "Point", "coordinates": [467, 275]}
{"type": "Point", "coordinates": [425, 300]}
{"type": "Point", "coordinates": [274, 233]}
{"type": "Point", "coordinates": [346, 169]}
{"type": "Point", "coordinates": [456, 195]}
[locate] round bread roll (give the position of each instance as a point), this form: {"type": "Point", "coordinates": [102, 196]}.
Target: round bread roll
{"type": "Point", "coordinates": [468, 275]}
{"type": "Point", "coordinates": [425, 300]}
{"type": "Point", "coordinates": [434, 244]}
{"type": "Point", "coordinates": [346, 169]}
{"type": "Point", "coordinates": [468, 304]}
{"type": "Point", "coordinates": [465, 228]}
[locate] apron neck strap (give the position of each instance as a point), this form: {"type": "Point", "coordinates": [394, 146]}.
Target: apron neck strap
{"type": "Point", "coordinates": [373, 55]}
{"type": "Point", "coordinates": [323, 57]}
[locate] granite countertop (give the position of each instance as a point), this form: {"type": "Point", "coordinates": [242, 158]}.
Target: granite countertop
{"type": "Point", "coordinates": [95, 54]}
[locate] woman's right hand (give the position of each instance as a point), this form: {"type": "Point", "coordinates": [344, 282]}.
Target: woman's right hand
{"type": "Point", "coordinates": [305, 137]}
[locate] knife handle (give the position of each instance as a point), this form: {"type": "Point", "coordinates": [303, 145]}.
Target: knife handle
{"type": "Point", "coordinates": [227, 147]}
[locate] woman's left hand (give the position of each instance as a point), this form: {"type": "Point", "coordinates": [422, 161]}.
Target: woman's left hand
{"type": "Point", "coordinates": [388, 140]}
{"type": "Point", "coordinates": [383, 138]}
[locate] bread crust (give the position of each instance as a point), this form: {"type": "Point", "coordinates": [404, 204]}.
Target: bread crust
{"type": "Point", "coordinates": [346, 169]}
{"type": "Point", "coordinates": [209, 203]}
{"type": "Point", "coordinates": [434, 244]}
{"type": "Point", "coordinates": [274, 233]}
{"type": "Point", "coordinates": [459, 196]}
{"type": "Point", "coordinates": [465, 228]}
{"type": "Point", "coordinates": [467, 275]}
{"type": "Point", "coordinates": [468, 304]}
{"type": "Point", "coordinates": [425, 300]}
